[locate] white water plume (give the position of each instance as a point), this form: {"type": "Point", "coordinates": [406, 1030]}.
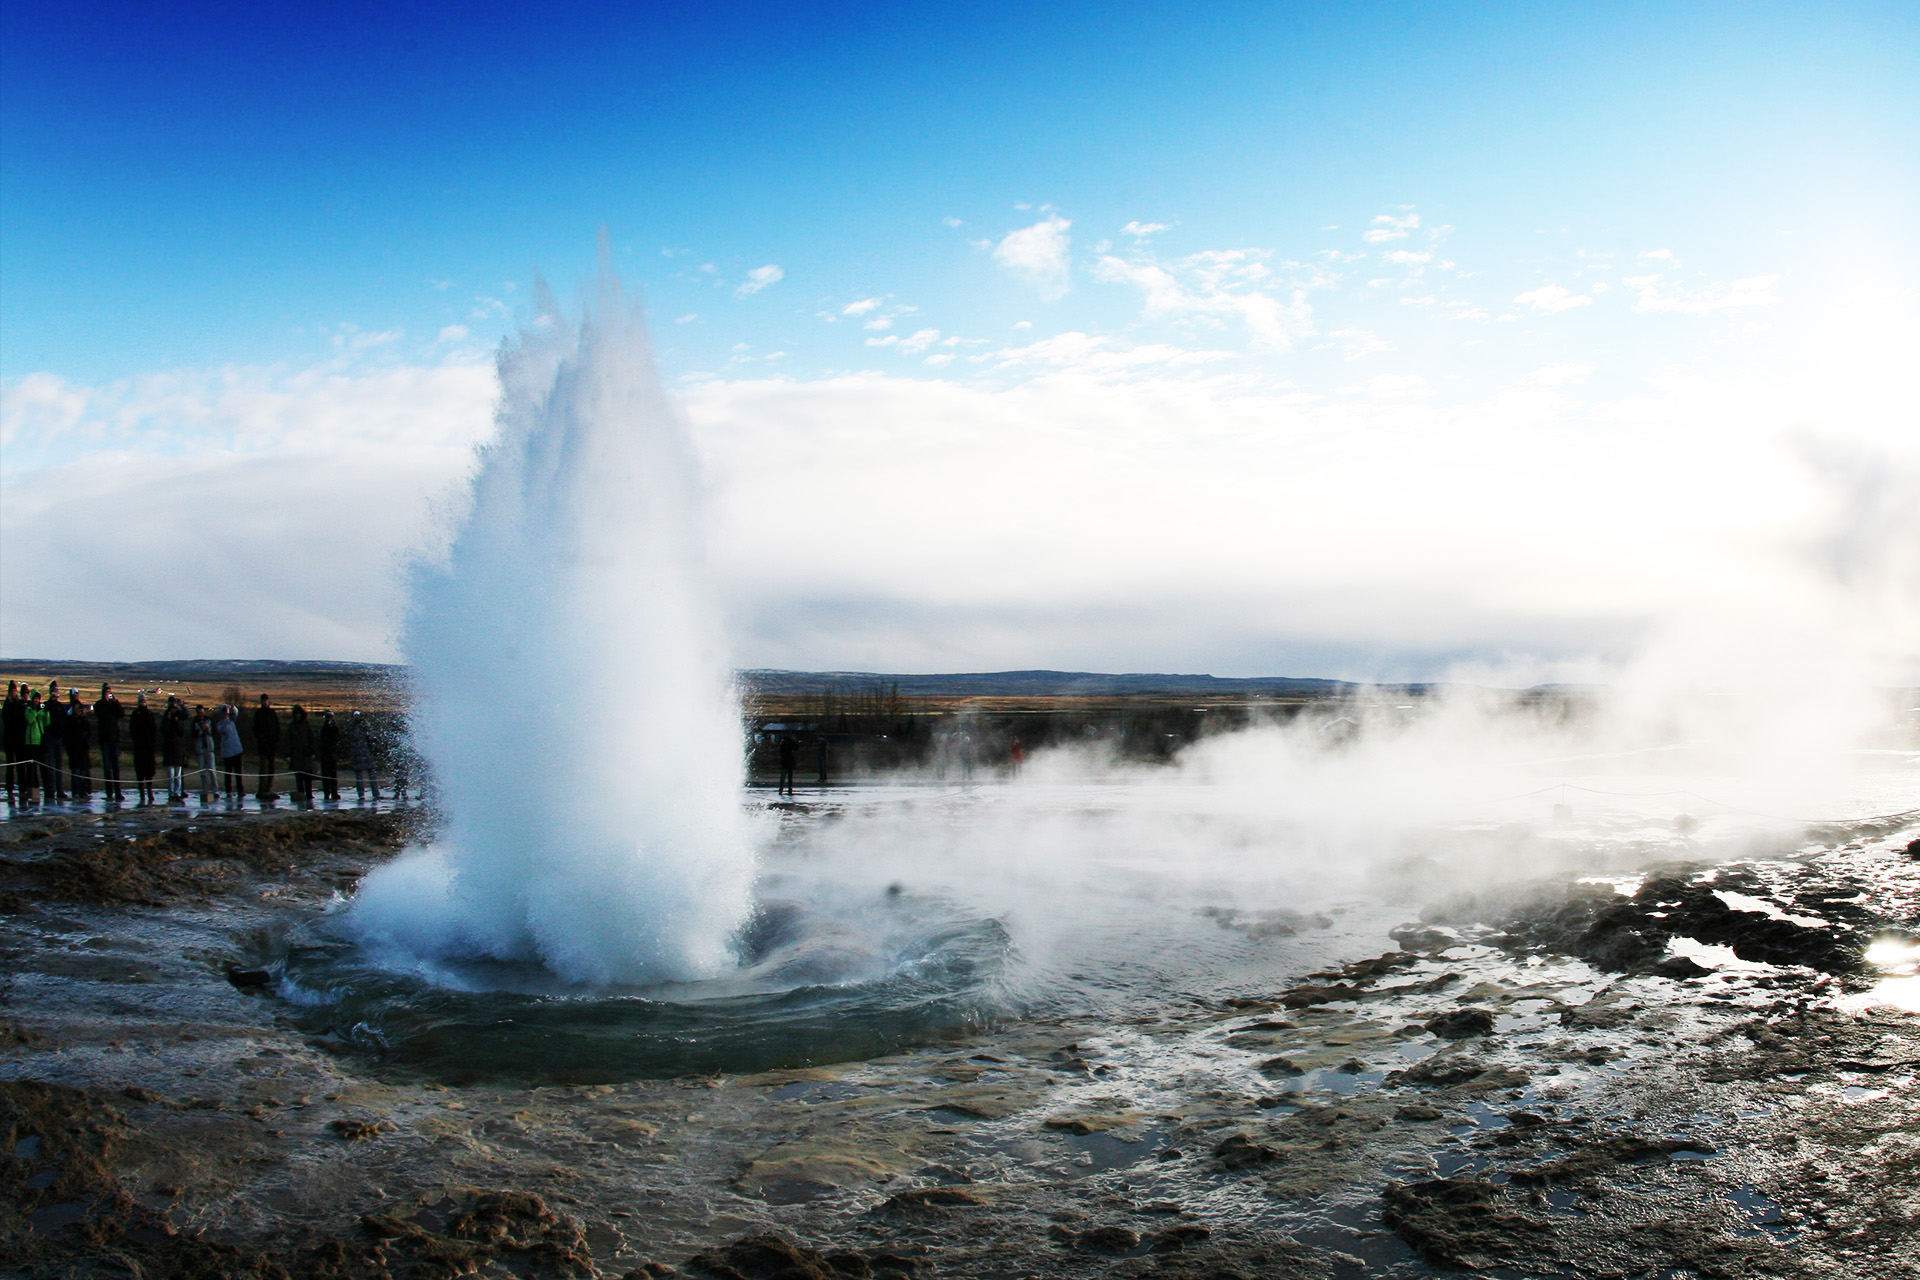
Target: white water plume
{"type": "Point", "coordinates": [570, 688]}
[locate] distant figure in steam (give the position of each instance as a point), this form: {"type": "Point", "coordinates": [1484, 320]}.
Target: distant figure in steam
{"type": "Point", "coordinates": [820, 757]}
{"type": "Point", "coordinates": [108, 716]}
{"type": "Point", "coordinates": [789, 759]}
{"type": "Point", "coordinates": [266, 744]}
{"type": "Point", "coordinates": [144, 728]}
{"type": "Point", "coordinates": [360, 757]}
{"type": "Point", "coordinates": [1017, 755]}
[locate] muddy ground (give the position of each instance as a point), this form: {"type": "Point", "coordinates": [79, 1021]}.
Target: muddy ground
{"type": "Point", "coordinates": [1530, 1084]}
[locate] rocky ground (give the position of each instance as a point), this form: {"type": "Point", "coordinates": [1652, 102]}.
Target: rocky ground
{"type": "Point", "coordinates": [1529, 1084]}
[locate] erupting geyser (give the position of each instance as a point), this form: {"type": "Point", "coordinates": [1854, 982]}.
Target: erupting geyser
{"type": "Point", "coordinates": [570, 688]}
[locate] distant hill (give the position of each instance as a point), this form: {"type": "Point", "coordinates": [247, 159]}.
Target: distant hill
{"type": "Point", "coordinates": [1043, 684]}
{"type": "Point", "coordinates": [249, 672]}
{"type": "Point", "coordinates": [203, 668]}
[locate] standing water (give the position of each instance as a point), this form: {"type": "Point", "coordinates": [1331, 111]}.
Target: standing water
{"type": "Point", "coordinates": [571, 691]}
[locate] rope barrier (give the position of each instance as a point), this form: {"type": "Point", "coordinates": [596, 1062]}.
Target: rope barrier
{"type": "Point", "coordinates": [65, 772]}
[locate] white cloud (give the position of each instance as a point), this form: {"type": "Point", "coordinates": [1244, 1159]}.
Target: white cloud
{"type": "Point", "coordinates": [1085, 355]}
{"type": "Point", "coordinates": [860, 308]}
{"type": "Point", "coordinates": [1212, 286]}
{"type": "Point", "coordinates": [1039, 253]}
{"type": "Point", "coordinates": [1355, 343]}
{"type": "Point", "coordinates": [952, 222]}
{"type": "Point", "coordinates": [688, 318]}
{"type": "Point", "coordinates": [351, 337]}
{"type": "Point", "coordinates": [1552, 298]}
{"type": "Point", "coordinates": [1656, 295]}
{"type": "Point", "coordinates": [1408, 257]}
{"type": "Point", "coordinates": [758, 279]}
{"type": "Point", "coordinates": [1143, 229]}
{"type": "Point", "coordinates": [453, 333]}
{"type": "Point", "coordinates": [1085, 501]}
{"type": "Point", "coordinates": [918, 341]}
{"type": "Point", "coordinates": [309, 487]}
{"type": "Point", "coordinates": [1387, 227]}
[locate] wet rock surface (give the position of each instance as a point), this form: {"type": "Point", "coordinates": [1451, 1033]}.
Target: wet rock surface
{"type": "Point", "coordinates": [1522, 1089]}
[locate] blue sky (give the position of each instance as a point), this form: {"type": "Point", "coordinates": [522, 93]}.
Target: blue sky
{"type": "Point", "coordinates": [1335, 209]}
{"type": "Point", "coordinates": [225, 185]}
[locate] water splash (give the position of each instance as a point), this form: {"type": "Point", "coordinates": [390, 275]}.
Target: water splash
{"type": "Point", "coordinates": [570, 688]}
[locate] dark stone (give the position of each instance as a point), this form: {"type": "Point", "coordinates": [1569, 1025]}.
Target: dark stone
{"type": "Point", "coordinates": [1240, 1152]}
{"type": "Point", "coordinates": [1304, 997]}
{"type": "Point", "coordinates": [1179, 1237]}
{"type": "Point", "coordinates": [1460, 1222]}
{"type": "Point", "coordinates": [1680, 967]}
{"type": "Point", "coordinates": [925, 1200]}
{"type": "Point", "coordinates": [766, 1257]}
{"type": "Point", "coordinates": [1462, 1024]}
{"type": "Point", "coordinates": [1417, 1112]}
{"type": "Point", "coordinates": [1108, 1240]}
{"type": "Point", "coordinates": [250, 979]}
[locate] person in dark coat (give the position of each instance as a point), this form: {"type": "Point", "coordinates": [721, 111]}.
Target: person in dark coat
{"type": "Point", "coordinates": [107, 717]}
{"type": "Point", "coordinates": [329, 744]}
{"type": "Point", "coordinates": [13, 736]}
{"type": "Point", "coordinates": [789, 757]}
{"type": "Point", "coordinates": [175, 739]}
{"type": "Point", "coordinates": [143, 731]}
{"type": "Point", "coordinates": [206, 751]}
{"type": "Point", "coordinates": [79, 742]}
{"type": "Point", "coordinates": [53, 747]}
{"type": "Point", "coordinates": [266, 744]}
{"type": "Point", "coordinates": [300, 754]}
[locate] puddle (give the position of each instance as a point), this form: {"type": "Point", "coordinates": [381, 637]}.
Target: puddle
{"type": "Point", "coordinates": [1763, 1216]}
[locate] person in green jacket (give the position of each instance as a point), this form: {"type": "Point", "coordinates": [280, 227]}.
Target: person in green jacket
{"type": "Point", "coordinates": [37, 722]}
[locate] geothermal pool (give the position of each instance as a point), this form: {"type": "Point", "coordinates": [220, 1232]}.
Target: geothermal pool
{"type": "Point", "coordinates": [890, 917]}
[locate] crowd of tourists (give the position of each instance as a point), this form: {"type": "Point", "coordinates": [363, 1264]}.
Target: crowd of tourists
{"type": "Point", "coordinates": [54, 744]}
